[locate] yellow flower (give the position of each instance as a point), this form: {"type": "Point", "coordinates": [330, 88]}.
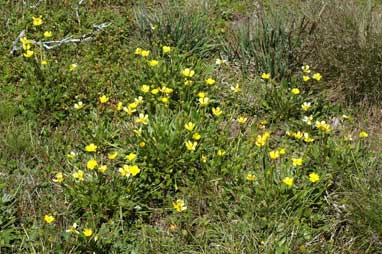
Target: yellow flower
{"type": "Point", "coordinates": [91, 164]}
{"type": "Point", "coordinates": [91, 148]}
{"type": "Point", "coordinates": [166, 90]}
{"type": "Point", "coordinates": [305, 78]}
{"type": "Point", "coordinates": [220, 61]}
{"type": "Point", "coordinates": [196, 136]}
{"type": "Point", "coordinates": [103, 99]}
{"type": "Point", "coordinates": [164, 100]}
{"type": "Point", "coordinates": [142, 144]}
{"type": "Point", "coordinates": [262, 139]}
{"type": "Point", "coordinates": [87, 232]}
{"type": "Point", "coordinates": [28, 53]}
{"type": "Point", "coordinates": [363, 134]}
{"type": "Point", "coordinates": [79, 175]}
{"type": "Point", "coordinates": [305, 68]}
{"type": "Point", "coordinates": [179, 205]}
{"type": "Point", "coordinates": [133, 105]}
{"type": "Point", "coordinates": [210, 81]}
{"type": "Point", "coordinates": [71, 155]}
{"type": "Point", "coordinates": [73, 229]}
{"type": "Point", "coordinates": [27, 46]}
{"type": "Point", "coordinates": [241, 120]}
{"type": "Point", "coordinates": [153, 63]}
{"type": "Point", "coordinates": [79, 105]}
{"type": "Point", "coordinates": [129, 110]}
{"type": "Point", "coordinates": [138, 51]}
{"type": "Point", "coordinates": [145, 53]}
{"type": "Point", "coordinates": [297, 162]}
{"type": "Point", "coordinates": [48, 34]}
{"type": "Point", "coordinates": [102, 168]}
{"type": "Point", "coordinates": [298, 135]}
{"type": "Point", "coordinates": [235, 88]}
{"type": "Point", "coordinates": [155, 91]}
{"type": "Point", "coordinates": [189, 126]}
{"type": "Point", "coordinates": [204, 101]}
{"type": "Point", "coordinates": [138, 100]}
{"type": "Point", "coordinates": [44, 62]}
{"type": "Point", "coordinates": [59, 178]}
{"type": "Point", "coordinates": [313, 177]}
{"type": "Point", "coordinates": [188, 82]}
{"type": "Point", "coordinates": [282, 151]}
{"type": "Point", "coordinates": [288, 181]}
{"type": "Point", "coordinates": [306, 106]}
{"type": "Point", "coordinates": [145, 88]}
{"type": "Point", "coordinates": [72, 67]}
{"type": "Point", "coordinates": [49, 218]}
{"type": "Point", "coordinates": [323, 126]}
{"type": "Point", "coordinates": [112, 156]}
{"type": "Point", "coordinates": [250, 177]}
{"type": "Point", "coordinates": [307, 139]}
{"type": "Point", "coordinates": [138, 132]}
{"type": "Point", "coordinates": [128, 170]}
{"type": "Point", "coordinates": [308, 119]}
{"type": "Point", "coordinates": [317, 76]}
{"type": "Point", "coordinates": [166, 49]}
{"type": "Point", "coordinates": [221, 152]}
{"type": "Point", "coordinates": [131, 156]}
{"type": "Point", "coordinates": [274, 155]}
{"type": "Point", "coordinates": [296, 91]}
{"type": "Point", "coordinates": [191, 146]}
{"type": "Point", "coordinates": [266, 76]}
{"type": "Point", "coordinates": [201, 94]}
{"type": "Point", "coordinates": [142, 119]}
{"type": "Point", "coordinates": [217, 111]}
{"type": "Point", "coordinates": [24, 40]}
{"type": "Point", "coordinates": [37, 21]}
{"type": "Point", "coordinates": [203, 159]}
{"type": "Point", "coordinates": [188, 72]}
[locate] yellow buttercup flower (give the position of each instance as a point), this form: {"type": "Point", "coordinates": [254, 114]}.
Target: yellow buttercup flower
{"type": "Point", "coordinates": [288, 181]}
{"type": "Point", "coordinates": [313, 177]}
{"type": "Point", "coordinates": [188, 72]}
{"type": "Point", "coordinates": [363, 134]}
{"type": "Point", "coordinates": [274, 155]}
{"type": "Point", "coordinates": [296, 91]}
{"type": "Point", "coordinates": [142, 144]}
{"type": "Point", "coordinates": [241, 120]}
{"type": "Point", "coordinates": [27, 46]}
{"type": "Point", "coordinates": [282, 151]}
{"type": "Point", "coordinates": [220, 61]}
{"type": "Point", "coordinates": [164, 100]}
{"type": "Point", "coordinates": [221, 152]}
{"type": "Point", "coordinates": [305, 78]}
{"type": "Point", "coordinates": [308, 119]}
{"type": "Point", "coordinates": [297, 162]}
{"type": "Point", "coordinates": [91, 148]}
{"type": "Point", "coordinates": [103, 99]}
{"type": "Point", "coordinates": [79, 175]}
{"type": "Point", "coordinates": [71, 155]}
{"type": "Point", "coordinates": [79, 105]}
{"type": "Point", "coordinates": [102, 168]}
{"type": "Point", "coordinates": [210, 81]}
{"type": "Point", "coordinates": [48, 34]}
{"type": "Point", "coordinates": [191, 146]}
{"type": "Point", "coordinates": [145, 53]}
{"type": "Point", "coordinates": [24, 40]}
{"type": "Point", "coordinates": [91, 164]}
{"type": "Point", "coordinates": [28, 53]}
{"type": "Point", "coordinates": [166, 49]}
{"type": "Point", "coordinates": [306, 106]}
{"type": "Point", "coordinates": [250, 177]}
{"type": "Point", "coordinates": [72, 67]}
{"type": "Point", "coordinates": [58, 178]}
{"type": "Point", "coordinates": [37, 21]}
{"type": "Point", "coordinates": [145, 88]}
{"type": "Point", "coordinates": [307, 138]}
{"type": "Point", "coordinates": [266, 76]}
{"type": "Point", "coordinates": [112, 156]}
{"type": "Point", "coordinates": [88, 232]}
{"type": "Point", "coordinates": [317, 76]}
{"type": "Point", "coordinates": [323, 126]}
{"type": "Point", "coordinates": [153, 63]}
{"type": "Point", "coordinates": [188, 82]}
{"type": "Point", "coordinates": [142, 119]}
{"type": "Point", "coordinates": [138, 51]}
{"type": "Point", "coordinates": [189, 126]}
{"type": "Point", "coordinates": [155, 91]}
{"type": "Point", "coordinates": [262, 139]}
{"type": "Point", "coordinates": [235, 88]}
{"type": "Point", "coordinates": [49, 218]}
{"type": "Point", "coordinates": [305, 68]}
{"type": "Point", "coordinates": [196, 136]}
{"type": "Point", "coordinates": [217, 111]}
{"type": "Point", "coordinates": [179, 205]}
{"type": "Point", "coordinates": [128, 170]}
{"type": "Point", "coordinates": [204, 101]}
{"type": "Point", "coordinates": [131, 156]}
{"type": "Point", "coordinates": [44, 62]}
